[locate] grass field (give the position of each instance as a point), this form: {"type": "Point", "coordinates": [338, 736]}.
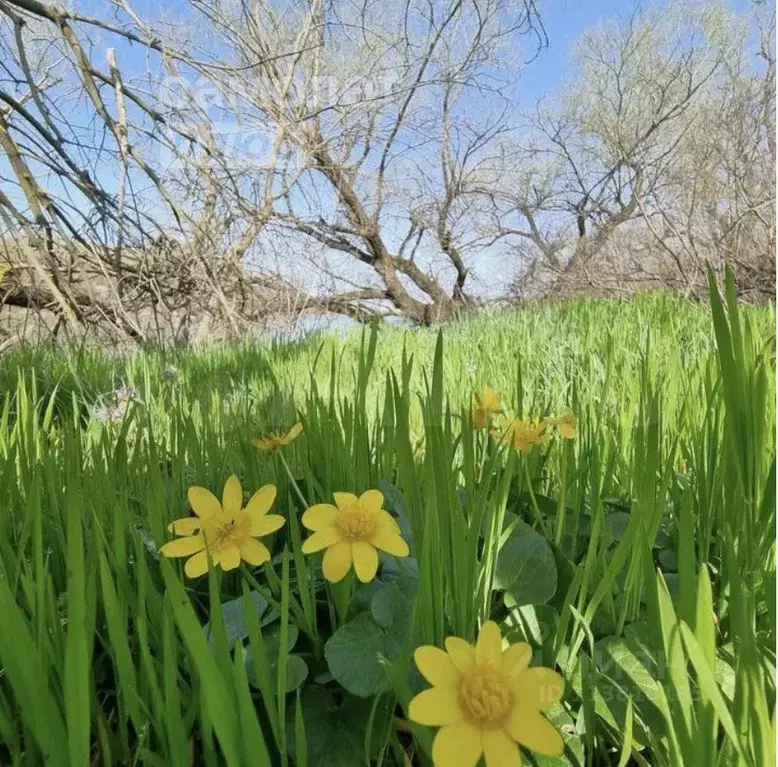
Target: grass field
{"type": "Point", "coordinates": [632, 549]}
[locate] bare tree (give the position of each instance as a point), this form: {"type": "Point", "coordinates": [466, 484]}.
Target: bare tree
{"type": "Point", "coordinates": [118, 209]}
{"type": "Point", "coordinates": [717, 203]}
{"type": "Point", "coordinates": [654, 160]}
{"type": "Point", "coordinates": [163, 177]}
{"type": "Point", "coordinates": [381, 119]}
{"type": "Point", "coordinates": [345, 128]}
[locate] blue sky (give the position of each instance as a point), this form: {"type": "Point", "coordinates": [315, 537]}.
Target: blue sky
{"type": "Point", "coordinates": [564, 21]}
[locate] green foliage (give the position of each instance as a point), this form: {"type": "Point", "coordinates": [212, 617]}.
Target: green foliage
{"type": "Point", "coordinates": [638, 558]}
{"type": "Point", "coordinates": [355, 650]}
{"type": "Point", "coordinates": [526, 567]}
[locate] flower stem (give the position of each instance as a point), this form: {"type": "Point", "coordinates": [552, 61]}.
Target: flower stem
{"type": "Point", "coordinates": [340, 594]}
{"type": "Point", "coordinates": [293, 480]}
{"type": "Point", "coordinates": [261, 590]}
{"type": "Point", "coordinates": [534, 503]}
{"type": "Point", "coordinates": [276, 605]}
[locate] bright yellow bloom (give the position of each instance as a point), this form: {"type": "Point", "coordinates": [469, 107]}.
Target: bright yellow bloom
{"type": "Point", "coordinates": [524, 435]}
{"type": "Point", "coordinates": [485, 405]}
{"type": "Point", "coordinates": [566, 423]}
{"type": "Point", "coordinates": [269, 443]}
{"type": "Point", "coordinates": [486, 700]}
{"type": "Point", "coordinates": [351, 531]}
{"type": "Point", "coordinates": [225, 531]}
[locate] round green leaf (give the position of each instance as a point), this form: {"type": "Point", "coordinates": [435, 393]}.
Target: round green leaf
{"type": "Point", "coordinates": [352, 654]}
{"type": "Point", "coordinates": [296, 672]}
{"type": "Point", "coordinates": [391, 605]}
{"type": "Point", "coordinates": [526, 568]}
{"type": "Point", "coordinates": [235, 623]}
{"type": "Point", "coordinates": [336, 731]}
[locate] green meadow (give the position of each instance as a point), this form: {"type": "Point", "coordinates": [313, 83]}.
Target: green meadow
{"type": "Point", "coordinates": [635, 559]}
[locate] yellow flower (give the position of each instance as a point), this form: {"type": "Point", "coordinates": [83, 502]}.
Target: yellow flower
{"type": "Point", "coordinates": [351, 531]}
{"type": "Point", "coordinates": [485, 405]}
{"type": "Point", "coordinates": [566, 423]}
{"type": "Point", "coordinates": [224, 530]}
{"type": "Point", "coordinates": [486, 700]}
{"type": "Point", "coordinates": [269, 443]}
{"type": "Point", "coordinates": [524, 435]}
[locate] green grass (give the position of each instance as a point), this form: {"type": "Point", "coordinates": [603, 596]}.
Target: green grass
{"type": "Point", "coordinates": [637, 559]}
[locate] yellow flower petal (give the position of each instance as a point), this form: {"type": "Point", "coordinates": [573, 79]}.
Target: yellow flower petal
{"type": "Point", "coordinates": [435, 706]}
{"type": "Point", "coordinates": [267, 524]}
{"type": "Point", "coordinates": [229, 557]}
{"type": "Point", "coordinates": [204, 503]}
{"type": "Point", "coordinates": [488, 648]}
{"type": "Point", "coordinates": [500, 750]}
{"type": "Point", "coordinates": [183, 547]}
{"type": "Point", "coordinates": [186, 526]}
{"type": "Point", "coordinates": [489, 399]}
{"type": "Point", "coordinates": [480, 418]}
{"type": "Point", "coordinates": [319, 516]}
{"type": "Point", "coordinates": [462, 653]}
{"type": "Point", "coordinates": [232, 497]}
{"type": "Point", "coordinates": [254, 552]}
{"type": "Point", "coordinates": [534, 732]}
{"type": "Point", "coordinates": [197, 565]}
{"type": "Point", "coordinates": [260, 503]}
{"type": "Point", "coordinates": [365, 560]}
{"type": "Point", "coordinates": [344, 500]}
{"type": "Point", "coordinates": [385, 519]}
{"type": "Point", "coordinates": [336, 561]}
{"type": "Point", "coordinates": [267, 443]}
{"type": "Point", "coordinates": [567, 424]}
{"type": "Point", "coordinates": [321, 539]}
{"type": "Point", "coordinates": [484, 406]}
{"type": "Point", "coordinates": [436, 666]}
{"type": "Point", "coordinates": [457, 745]}
{"type": "Point", "coordinates": [389, 541]}
{"type": "Point", "coordinates": [516, 658]}
{"type": "Point", "coordinates": [538, 688]}
{"type": "Point", "coordinates": [293, 433]}
{"type": "Point", "coordinates": [371, 499]}
{"type": "Point", "coordinates": [492, 399]}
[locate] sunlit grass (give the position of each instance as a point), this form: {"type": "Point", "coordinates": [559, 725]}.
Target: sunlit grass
{"type": "Point", "coordinates": [109, 655]}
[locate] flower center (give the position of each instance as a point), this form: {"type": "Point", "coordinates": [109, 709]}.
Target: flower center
{"type": "Point", "coordinates": [486, 696]}
{"type": "Point", "coordinates": [222, 533]}
{"type": "Point", "coordinates": [526, 433]}
{"type": "Point", "coordinates": [355, 523]}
